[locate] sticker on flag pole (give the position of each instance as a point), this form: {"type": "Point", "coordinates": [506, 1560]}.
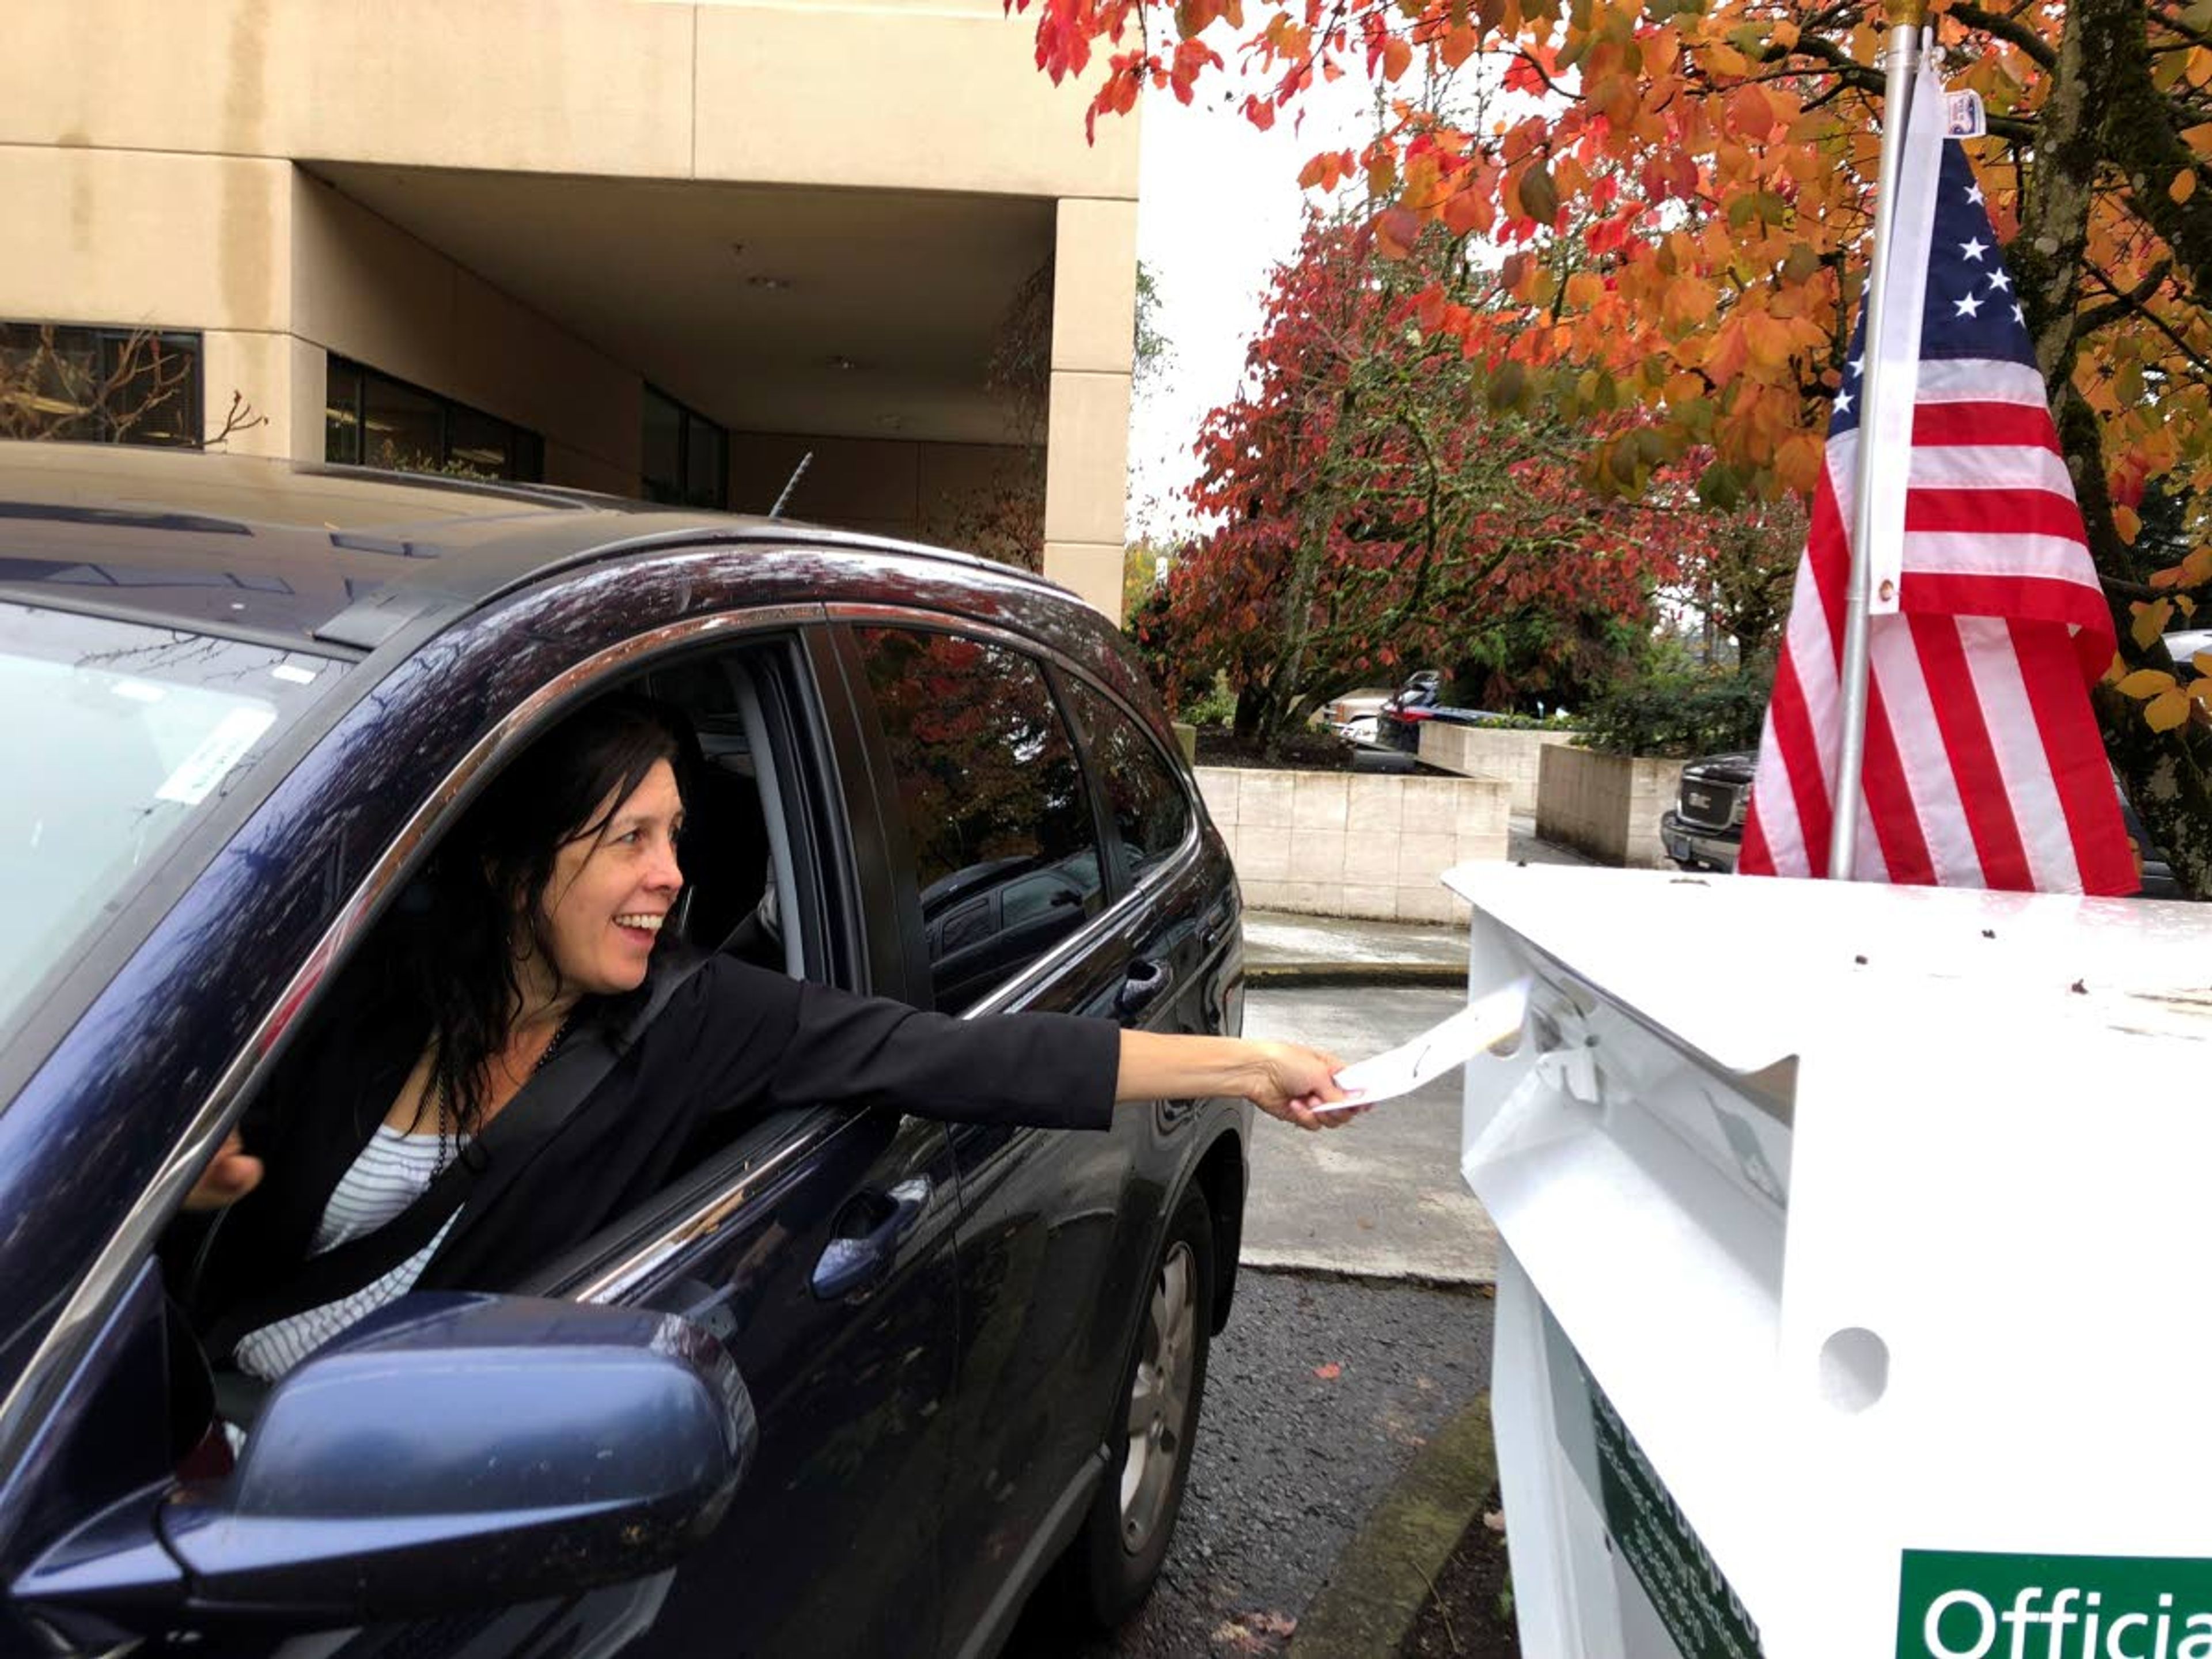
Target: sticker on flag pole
{"type": "Point", "coordinates": [1963, 116]}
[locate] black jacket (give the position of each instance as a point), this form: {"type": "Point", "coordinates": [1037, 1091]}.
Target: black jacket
{"type": "Point", "coordinates": [735, 1039]}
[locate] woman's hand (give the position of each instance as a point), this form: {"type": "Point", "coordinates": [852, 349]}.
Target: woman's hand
{"type": "Point", "coordinates": [1290, 1081]}
{"type": "Point", "coordinates": [1286, 1080]}
{"type": "Point", "coordinates": [231, 1174]}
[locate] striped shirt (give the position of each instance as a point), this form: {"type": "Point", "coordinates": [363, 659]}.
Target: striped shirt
{"type": "Point", "coordinates": [392, 1171]}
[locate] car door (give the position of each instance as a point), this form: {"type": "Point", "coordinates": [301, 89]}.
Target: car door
{"type": "Point", "coordinates": [817, 1246]}
{"type": "Point", "coordinates": [820, 1251]}
{"type": "Point", "coordinates": [977, 765]}
{"type": "Point", "coordinates": [1181, 944]}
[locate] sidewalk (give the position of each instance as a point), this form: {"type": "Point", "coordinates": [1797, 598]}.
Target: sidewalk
{"type": "Point", "coordinates": [1280, 946]}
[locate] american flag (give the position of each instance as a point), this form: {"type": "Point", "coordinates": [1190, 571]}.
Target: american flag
{"type": "Point", "coordinates": [1984, 767]}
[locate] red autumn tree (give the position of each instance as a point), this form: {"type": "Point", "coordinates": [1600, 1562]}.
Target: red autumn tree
{"type": "Point", "coordinates": [1685, 193]}
{"type": "Point", "coordinates": [1374, 514]}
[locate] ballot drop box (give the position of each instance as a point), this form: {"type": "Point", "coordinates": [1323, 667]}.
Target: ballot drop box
{"type": "Point", "coordinates": [1856, 1289]}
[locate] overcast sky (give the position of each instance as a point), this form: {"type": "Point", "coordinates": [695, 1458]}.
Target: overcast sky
{"type": "Point", "coordinates": [1218, 204]}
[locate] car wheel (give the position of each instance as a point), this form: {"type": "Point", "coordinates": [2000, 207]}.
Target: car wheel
{"type": "Point", "coordinates": [1110, 1569]}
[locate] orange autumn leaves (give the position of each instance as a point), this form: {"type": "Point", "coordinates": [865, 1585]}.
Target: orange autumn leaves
{"type": "Point", "coordinates": [1680, 191]}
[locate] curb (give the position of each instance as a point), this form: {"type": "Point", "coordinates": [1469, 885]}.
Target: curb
{"type": "Point", "coordinates": [1283, 1264]}
{"type": "Point", "coordinates": [1387, 1572]}
{"type": "Point", "coordinates": [1354, 973]}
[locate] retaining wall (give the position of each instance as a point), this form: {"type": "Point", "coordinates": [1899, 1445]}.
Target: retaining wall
{"type": "Point", "coordinates": [1489, 751]}
{"type": "Point", "coordinates": [1605, 807]}
{"type": "Point", "coordinates": [1337, 844]}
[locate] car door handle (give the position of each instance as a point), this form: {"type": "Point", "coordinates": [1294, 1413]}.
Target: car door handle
{"type": "Point", "coordinates": [859, 1262]}
{"type": "Point", "coordinates": [1216, 924]}
{"type": "Point", "coordinates": [1142, 987]}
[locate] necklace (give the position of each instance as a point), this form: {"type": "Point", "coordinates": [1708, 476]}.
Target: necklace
{"type": "Point", "coordinates": [448, 1131]}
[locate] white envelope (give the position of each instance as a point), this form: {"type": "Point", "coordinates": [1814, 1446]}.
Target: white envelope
{"type": "Point", "coordinates": [1496, 1018]}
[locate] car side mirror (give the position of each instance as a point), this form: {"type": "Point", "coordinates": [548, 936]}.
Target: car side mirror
{"type": "Point", "coordinates": [451, 1452]}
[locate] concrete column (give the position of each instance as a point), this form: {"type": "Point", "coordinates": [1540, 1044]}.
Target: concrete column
{"type": "Point", "coordinates": [1087, 452]}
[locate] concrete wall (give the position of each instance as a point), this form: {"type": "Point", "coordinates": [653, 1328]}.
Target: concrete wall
{"type": "Point", "coordinates": [145, 151]}
{"type": "Point", "coordinates": [1485, 752]}
{"type": "Point", "coordinates": [942, 96]}
{"type": "Point", "coordinates": [366, 289]}
{"type": "Point", "coordinates": [1330, 843]}
{"type": "Point", "coordinates": [1606, 805]}
{"type": "Point", "coordinates": [929, 492]}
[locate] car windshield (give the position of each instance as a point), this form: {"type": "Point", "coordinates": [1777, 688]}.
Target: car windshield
{"type": "Point", "coordinates": [114, 737]}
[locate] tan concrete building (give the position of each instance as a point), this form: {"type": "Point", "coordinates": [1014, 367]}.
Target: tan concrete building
{"type": "Point", "coordinates": [632, 246]}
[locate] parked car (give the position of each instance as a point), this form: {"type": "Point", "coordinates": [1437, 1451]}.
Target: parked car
{"type": "Point", "coordinates": [2185, 643]}
{"type": "Point", "coordinates": [1399, 721]}
{"type": "Point", "coordinates": [1704, 830]}
{"type": "Point", "coordinates": [1352, 716]}
{"type": "Point", "coordinates": [853, 1383]}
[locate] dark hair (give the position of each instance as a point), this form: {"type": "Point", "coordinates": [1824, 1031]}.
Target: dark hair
{"type": "Point", "coordinates": [489, 881]}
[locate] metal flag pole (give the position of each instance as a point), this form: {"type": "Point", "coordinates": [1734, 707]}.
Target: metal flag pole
{"type": "Point", "coordinates": [1906, 20]}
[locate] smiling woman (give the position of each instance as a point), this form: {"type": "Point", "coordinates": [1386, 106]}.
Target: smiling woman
{"type": "Point", "coordinates": [524, 1055]}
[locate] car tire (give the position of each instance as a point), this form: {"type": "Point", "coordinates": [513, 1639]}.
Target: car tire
{"type": "Point", "coordinates": [1110, 1567]}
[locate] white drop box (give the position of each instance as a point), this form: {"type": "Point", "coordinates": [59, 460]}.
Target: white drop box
{"type": "Point", "coordinates": [1843, 1222]}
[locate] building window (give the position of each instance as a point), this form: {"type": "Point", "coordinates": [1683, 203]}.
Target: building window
{"type": "Point", "coordinates": [686, 458]}
{"type": "Point", "coordinates": [371, 419]}
{"type": "Point", "coordinates": [110, 385]}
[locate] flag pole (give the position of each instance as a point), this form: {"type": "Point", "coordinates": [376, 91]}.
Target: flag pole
{"type": "Point", "coordinates": [1906, 20]}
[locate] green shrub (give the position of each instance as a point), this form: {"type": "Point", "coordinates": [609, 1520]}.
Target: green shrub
{"type": "Point", "coordinates": [1530, 722]}
{"type": "Point", "coordinates": [1217, 707]}
{"type": "Point", "coordinates": [1679, 713]}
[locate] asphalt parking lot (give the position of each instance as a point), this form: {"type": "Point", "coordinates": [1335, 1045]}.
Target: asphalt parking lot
{"type": "Point", "coordinates": [1319, 1396]}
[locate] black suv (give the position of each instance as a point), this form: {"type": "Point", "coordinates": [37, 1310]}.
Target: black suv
{"type": "Point", "coordinates": [1704, 830]}
{"type": "Point", "coordinates": [853, 1383]}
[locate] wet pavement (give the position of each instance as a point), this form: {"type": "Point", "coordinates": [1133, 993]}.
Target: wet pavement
{"type": "Point", "coordinates": [1362, 1319]}
{"type": "Point", "coordinates": [1381, 1197]}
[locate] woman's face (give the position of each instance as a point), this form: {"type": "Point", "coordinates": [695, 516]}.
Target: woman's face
{"type": "Point", "coordinates": [608, 893]}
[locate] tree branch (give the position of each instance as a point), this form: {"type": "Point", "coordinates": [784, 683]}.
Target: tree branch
{"type": "Point", "coordinates": [2009, 29]}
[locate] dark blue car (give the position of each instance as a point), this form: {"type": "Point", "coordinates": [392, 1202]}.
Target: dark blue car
{"type": "Point", "coordinates": [853, 1383]}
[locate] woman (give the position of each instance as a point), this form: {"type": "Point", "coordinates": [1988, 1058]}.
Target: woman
{"type": "Point", "coordinates": [537, 941]}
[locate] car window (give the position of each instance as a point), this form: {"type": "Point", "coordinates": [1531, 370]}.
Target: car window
{"type": "Point", "coordinates": [1152, 813]}
{"type": "Point", "coordinates": [119, 734]}
{"type": "Point", "coordinates": [1004, 849]}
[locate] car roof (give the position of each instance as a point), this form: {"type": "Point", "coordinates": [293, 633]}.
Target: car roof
{"type": "Point", "coordinates": [316, 556]}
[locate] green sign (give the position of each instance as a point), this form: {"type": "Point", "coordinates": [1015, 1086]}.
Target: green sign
{"type": "Point", "coordinates": [1702, 1616]}
{"type": "Point", "coordinates": [1961, 1605]}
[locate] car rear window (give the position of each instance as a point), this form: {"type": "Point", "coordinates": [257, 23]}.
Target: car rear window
{"type": "Point", "coordinates": [1152, 813]}
{"type": "Point", "coordinates": [1006, 849]}
{"type": "Point", "coordinates": [114, 737]}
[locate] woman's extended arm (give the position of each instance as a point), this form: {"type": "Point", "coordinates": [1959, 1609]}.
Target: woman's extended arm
{"type": "Point", "coordinates": [1283, 1079]}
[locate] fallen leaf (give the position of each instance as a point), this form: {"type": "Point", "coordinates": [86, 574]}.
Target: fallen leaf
{"type": "Point", "coordinates": [1365, 1225]}
{"type": "Point", "coordinates": [1494, 1519]}
{"type": "Point", "coordinates": [1254, 1633]}
{"type": "Point", "coordinates": [1329, 1372]}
